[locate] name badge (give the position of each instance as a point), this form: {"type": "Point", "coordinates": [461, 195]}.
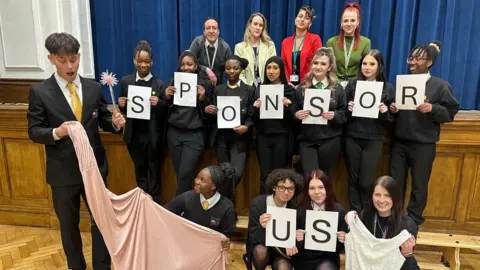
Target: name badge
{"type": "Point", "coordinates": [294, 78]}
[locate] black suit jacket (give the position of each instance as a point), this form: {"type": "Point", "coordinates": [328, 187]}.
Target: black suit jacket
{"type": "Point", "coordinates": [158, 113]}
{"type": "Point", "coordinates": [48, 109]}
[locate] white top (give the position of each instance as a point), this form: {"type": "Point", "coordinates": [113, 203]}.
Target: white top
{"type": "Point", "coordinates": [271, 202]}
{"type": "Point", "coordinates": [363, 251]}
{"type": "Point", "coordinates": [62, 83]}
{"type": "Point", "coordinates": [146, 78]}
{"type": "Point", "coordinates": [324, 82]}
{"type": "Point", "coordinates": [212, 201]}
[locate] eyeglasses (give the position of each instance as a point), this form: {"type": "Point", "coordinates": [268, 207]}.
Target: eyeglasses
{"type": "Point", "coordinates": [416, 59]}
{"type": "Point", "coordinates": [283, 188]}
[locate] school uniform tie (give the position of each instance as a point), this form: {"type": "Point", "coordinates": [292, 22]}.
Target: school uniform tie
{"type": "Point", "coordinates": [319, 85]}
{"type": "Point", "coordinates": [76, 103]}
{"type": "Point", "coordinates": [205, 205]}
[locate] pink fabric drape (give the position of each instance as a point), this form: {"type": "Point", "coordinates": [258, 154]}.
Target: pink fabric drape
{"type": "Point", "coordinates": [139, 233]}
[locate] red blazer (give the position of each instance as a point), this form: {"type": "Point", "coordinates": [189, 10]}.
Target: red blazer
{"type": "Point", "coordinates": [311, 44]}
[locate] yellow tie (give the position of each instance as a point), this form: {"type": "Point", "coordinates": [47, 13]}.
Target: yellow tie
{"type": "Point", "coordinates": [205, 205]}
{"type": "Point", "coordinates": [76, 104]}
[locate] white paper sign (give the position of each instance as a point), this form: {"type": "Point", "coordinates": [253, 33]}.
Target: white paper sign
{"type": "Point", "coordinates": [138, 105]}
{"type": "Point", "coordinates": [185, 89]}
{"type": "Point", "coordinates": [368, 96]}
{"type": "Point", "coordinates": [228, 112]}
{"type": "Point", "coordinates": [317, 101]}
{"type": "Point", "coordinates": [410, 91]}
{"type": "Point", "coordinates": [271, 96]}
{"type": "Point", "coordinates": [281, 229]}
{"type": "Point", "coordinates": [321, 230]}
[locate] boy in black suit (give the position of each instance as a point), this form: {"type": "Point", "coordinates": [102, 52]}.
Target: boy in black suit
{"type": "Point", "coordinates": [63, 97]}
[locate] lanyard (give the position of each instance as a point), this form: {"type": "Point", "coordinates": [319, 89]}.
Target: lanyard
{"type": "Point", "coordinates": [347, 54]}
{"type": "Point", "coordinates": [210, 65]}
{"type": "Point", "coordinates": [295, 51]}
{"type": "Point", "coordinates": [256, 80]}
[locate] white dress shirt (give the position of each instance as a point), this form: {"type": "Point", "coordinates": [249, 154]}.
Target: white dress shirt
{"type": "Point", "coordinates": [146, 78]}
{"type": "Point", "coordinates": [212, 201]}
{"type": "Point", "coordinates": [324, 82]}
{"type": "Point", "coordinates": [62, 83]}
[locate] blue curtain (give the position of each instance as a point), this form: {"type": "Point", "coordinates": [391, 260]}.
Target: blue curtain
{"type": "Point", "coordinates": [393, 26]}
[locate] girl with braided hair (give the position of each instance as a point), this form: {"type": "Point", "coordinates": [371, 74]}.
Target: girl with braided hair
{"type": "Point", "coordinates": [417, 131]}
{"type": "Point", "coordinates": [209, 204]}
{"type": "Point", "coordinates": [144, 138]}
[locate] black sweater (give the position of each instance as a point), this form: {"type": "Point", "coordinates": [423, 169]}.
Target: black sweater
{"type": "Point", "coordinates": [309, 259]}
{"type": "Point", "coordinates": [311, 134]}
{"type": "Point", "coordinates": [221, 217]}
{"type": "Point", "coordinates": [188, 117]}
{"type": "Point", "coordinates": [276, 126]}
{"type": "Point", "coordinates": [369, 128]}
{"type": "Point", "coordinates": [425, 127]}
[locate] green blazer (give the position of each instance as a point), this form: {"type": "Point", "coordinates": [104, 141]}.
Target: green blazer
{"type": "Point", "coordinates": [354, 64]}
{"type": "Point", "coordinates": [245, 50]}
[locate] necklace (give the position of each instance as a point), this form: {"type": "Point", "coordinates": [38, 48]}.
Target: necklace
{"type": "Point", "coordinates": [384, 233]}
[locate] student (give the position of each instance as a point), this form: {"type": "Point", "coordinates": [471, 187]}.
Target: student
{"type": "Point", "coordinates": [320, 144]}
{"type": "Point", "coordinates": [349, 46]}
{"type": "Point", "coordinates": [64, 97]}
{"type": "Point", "coordinates": [208, 204]}
{"type": "Point", "coordinates": [144, 138]}
{"type": "Point", "coordinates": [417, 132]}
{"type": "Point", "coordinates": [211, 51]}
{"type": "Point", "coordinates": [186, 131]}
{"type": "Point", "coordinates": [298, 50]}
{"type": "Point", "coordinates": [318, 196]}
{"type": "Point", "coordinates": [232, 145]}
{"type": "Point", "coordinates": [282, 187]}
{"type": "Point", "coordinates": [274, 136]}
{"type": "Point", "coordinates": [364, 137]}
{"type": "Point", "coordinates": [256, 47]}
{"type": "Point", "coordinates": [384, 218]}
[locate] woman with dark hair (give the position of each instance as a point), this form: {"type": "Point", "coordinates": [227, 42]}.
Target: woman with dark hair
{"type": "Point", "coordinates": [282, 187]}
{"type": "Point", "coordinates": [364, 137]}
{"type": "Point", "coordinates": [320, 144]}
{"type": "Point", "coordinates": [384, 218]}
{"type": "Point", "coordinates": [417, 131]}
{"type": "Point", "coordinates": [349, 46]}
{"type": "Point", "coordinates": [318, 196]}
{"type": "Point", "coordinates": [274, 136]}
{"type": "Point", "coordinates": [144, 138]}
{"type": "Point", "coordinates": [208, 204]}
{"type": "Point", "coordinates": [186, 131]}
{"type": "Point", "coordinates": [298, 50]}
{"type": "Point", "coordinates": [231, 145]}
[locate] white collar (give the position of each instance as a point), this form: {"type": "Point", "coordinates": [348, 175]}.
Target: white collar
{"type": "Point", "coordinates": [212, 201]}
{"type": "Point", "coordinates": [63, 83]}
{"type": "Point", "coordinates": [238, 83]}
{"type": "Point", "coordinates": [324, 82]}
{"type": "Point", "coordinates": [146, 78]}
{"type": "Point", "coordinates": [207, 43]}
{"type": "Point", "coordinates": [316, 207]}
{"type": "Point", "coordinates": [428, 76]}
{"type": "Point", "coordinates": [271, 202]}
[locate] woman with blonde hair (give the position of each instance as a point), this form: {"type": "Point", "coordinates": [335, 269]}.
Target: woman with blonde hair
{"type": "Point", "coordinates": [320, 144]}
{"type": "Point", "coordinates": [257, 47]}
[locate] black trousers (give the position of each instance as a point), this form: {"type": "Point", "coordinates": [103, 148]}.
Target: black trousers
{"type": "Point", "coordinates": [185, 147]}
{"type": "Point", "coordinates": [232, 151]}
{"type": "Point", "coordinates": [361, 156]}
{"type": "Point", "coordinates": [272, 152]}
{"type": "Point", "coordinates": [147, 162]}
{"type": "Point", "coordinates": [66, 202]}
{"type": "Point", "coordinates": [418, 157]}
{"type": "Point", "coordinates": [322, 155]}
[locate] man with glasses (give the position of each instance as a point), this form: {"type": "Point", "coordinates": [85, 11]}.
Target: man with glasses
{"type": "Point", "coordinates": [211, 51]}
{"type": "Point", "coordinates": [416, 132]}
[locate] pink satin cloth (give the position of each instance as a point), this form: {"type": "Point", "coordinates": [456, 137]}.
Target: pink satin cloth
{"type": "Point", "coordinates": [139, 233]}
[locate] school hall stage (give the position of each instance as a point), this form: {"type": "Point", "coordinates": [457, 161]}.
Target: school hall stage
{"type": "Point", "coordinates": [25, 198]}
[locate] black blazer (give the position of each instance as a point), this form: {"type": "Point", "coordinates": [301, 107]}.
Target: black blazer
{"type": "Point", "coordinates": [158, 113]}
{"type": "Point", "coordinates": [48, 109]}
{"type": "Point", "coordinates": [246, 102]}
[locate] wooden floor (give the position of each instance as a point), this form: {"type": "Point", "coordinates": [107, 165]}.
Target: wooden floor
{"type": "Point", "coordinates": [34, 248]}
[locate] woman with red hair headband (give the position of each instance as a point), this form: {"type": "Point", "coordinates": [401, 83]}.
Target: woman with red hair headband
{"type": "Point", "coordinates": [349, 46]}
